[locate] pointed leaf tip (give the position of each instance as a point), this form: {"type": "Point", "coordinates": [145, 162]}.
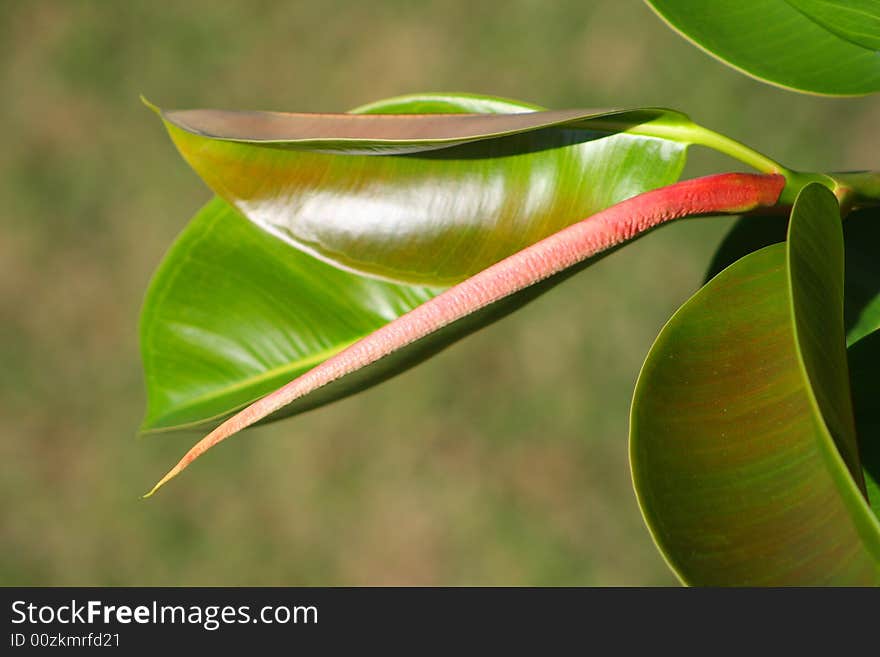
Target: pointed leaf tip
{"type": "Point", "coordinates": [171, 474]}
{"type": "Point", "coordinates": [150, 105]}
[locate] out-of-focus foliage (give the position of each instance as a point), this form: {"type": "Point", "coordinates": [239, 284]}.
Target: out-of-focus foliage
{"type": "Point", "coordinates": [472, 479]}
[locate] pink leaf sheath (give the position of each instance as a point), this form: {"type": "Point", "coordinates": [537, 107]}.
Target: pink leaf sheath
{"type": "Point", "coordinates": [729, 193]}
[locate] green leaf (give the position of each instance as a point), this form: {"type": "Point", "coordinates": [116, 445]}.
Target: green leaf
{"type": "Point", "coordinates": [491, 294]}
{"type": "Point", "coordinates": [742, 441]}
{"type": "Point", "coordinates": [861, 231]}
{"type": "Point", "coordinates": [428, 199]}
{"type": "Point", "coordinates": [234, 312]}
{"type": "Point", "coordinates": [824, 47]}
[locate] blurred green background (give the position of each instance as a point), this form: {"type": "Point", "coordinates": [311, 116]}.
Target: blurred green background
{"type": "Point", "coordinates": [502, 461]}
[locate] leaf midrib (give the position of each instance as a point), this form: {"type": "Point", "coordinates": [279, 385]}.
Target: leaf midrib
{"type": "Point", "coordinates": [830, 33]}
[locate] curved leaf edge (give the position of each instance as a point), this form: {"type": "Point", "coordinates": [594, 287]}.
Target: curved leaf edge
{"type": "Point", "coordinates": [706, 289]}
{"type": "Point", "coordinates": [368, 131]}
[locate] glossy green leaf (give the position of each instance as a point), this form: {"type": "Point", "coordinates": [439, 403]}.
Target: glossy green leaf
{"type": "Point", "coordinates": [824, 47]}
{"type": "Point", "coordinates": [425, 198]}
{"type": "Point", "coordinates": [742, 441]}
{"type": "Point", "coordinates": [234, 312]}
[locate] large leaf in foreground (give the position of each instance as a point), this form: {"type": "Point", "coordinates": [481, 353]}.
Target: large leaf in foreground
{"type": "Point", "coordinates": [426, 198]}
{"type": "Point", "coordinates": [823, 47]}
{"type": "Point", "coordinates": [742, 441]}
{"type": "Point", "coordinates": [493, 293]}
{"type": "Point", "coordinates": [234, 312]}
{"type": "Point", "coordinates": [861, 313]}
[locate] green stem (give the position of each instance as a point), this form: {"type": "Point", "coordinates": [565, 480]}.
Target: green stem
{"type": "Point", "coordinates": [677, 127]}
{"type": "Point", "coordinates": [691, 133]}
{"type": "Point", "coordinates": [853, 190]}
{"type": "Point", "coordinates": [700, 136]}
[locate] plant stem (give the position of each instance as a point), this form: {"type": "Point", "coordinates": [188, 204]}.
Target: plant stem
{"type": "Point", "coordinates": [683, 130]}
{"type": "Point", "coordinates": [700, 136]}
{"type": "Point", "coordinates": [860, 189]}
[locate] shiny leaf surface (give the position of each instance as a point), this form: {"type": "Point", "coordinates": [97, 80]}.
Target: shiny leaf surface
{"type": "Point", "coordinates": [742, 440]}
{"type": "Point", "coordinates": [234, 312]}
{"type": "Point", "coordinates": [823, 47]}
{"type": "Point", "coordinates": [425, 198]}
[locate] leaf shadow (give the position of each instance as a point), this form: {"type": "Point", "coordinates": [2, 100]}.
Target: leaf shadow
{"type": "Point", "coordinates": [535, 141]}
{"type": "Point", "coordinates": [864, 371]}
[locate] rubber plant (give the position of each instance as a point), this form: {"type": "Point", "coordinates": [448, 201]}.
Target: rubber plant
{"type": "Point", "coordinates": [342, 249]}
